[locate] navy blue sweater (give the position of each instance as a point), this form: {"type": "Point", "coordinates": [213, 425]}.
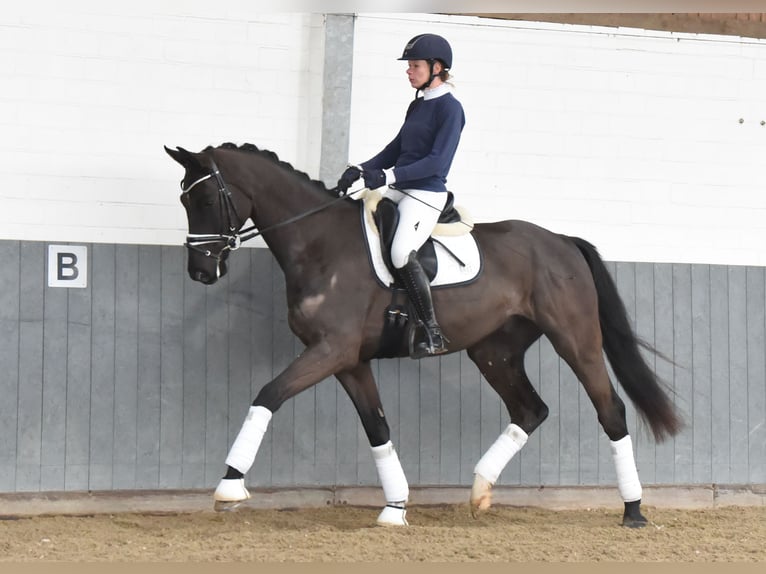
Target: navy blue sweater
{"type": "Point", "coordinates": [422, 152]}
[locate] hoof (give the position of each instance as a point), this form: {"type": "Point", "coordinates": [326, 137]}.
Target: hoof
{"type": "Point", "coordinates": [393, 516]}
{"type": "Point", "coordinates": [481, 495]}
{"type": "Point", "coordinates": [633, 523]}
{"type": "Point", "coordinates": [224, 506]}
{"type": "Point", "coordinates": [632, 518]}
{"type": "Point", "coordinates": [229, 494]}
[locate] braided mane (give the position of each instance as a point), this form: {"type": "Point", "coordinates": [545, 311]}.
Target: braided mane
{"type": "Point", "coordinates": [274, 158]}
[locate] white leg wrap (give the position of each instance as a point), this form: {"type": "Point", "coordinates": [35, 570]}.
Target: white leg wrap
{"type": "Point", "coordinates": [248, 441]}
{"type": "Point", "coordinates": [501, 452]}
{"type": "Point", "coordinates": [625, 464]}
{"type": "Point", "coordinates": [391, 474]}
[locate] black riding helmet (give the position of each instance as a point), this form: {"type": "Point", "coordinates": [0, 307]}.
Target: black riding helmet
{"type": "Point", "coordinates": [429, 47]}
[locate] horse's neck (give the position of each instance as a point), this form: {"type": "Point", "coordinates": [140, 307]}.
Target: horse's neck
{"type": "Point", "coordinates": [284, 198]}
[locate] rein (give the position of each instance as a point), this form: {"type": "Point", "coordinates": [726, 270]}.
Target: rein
{"type": "Point", "coordinates": [235, 237]}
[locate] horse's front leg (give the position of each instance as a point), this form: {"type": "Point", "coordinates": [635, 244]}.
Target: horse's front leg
{"type": "Point", "coordinates": [316, 363]}
{"type": "Point", "coordinates": [360, 386]}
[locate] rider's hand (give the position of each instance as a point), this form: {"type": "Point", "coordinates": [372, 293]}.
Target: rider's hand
{"type": "Point", "coordinates": [349, 176]}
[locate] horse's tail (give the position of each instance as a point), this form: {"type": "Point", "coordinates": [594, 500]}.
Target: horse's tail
{"type": "Point", "coordinates": [622, 349]}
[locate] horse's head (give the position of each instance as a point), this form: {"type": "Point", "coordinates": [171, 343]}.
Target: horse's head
{"type": "Point", "coordinates": [212, 214]}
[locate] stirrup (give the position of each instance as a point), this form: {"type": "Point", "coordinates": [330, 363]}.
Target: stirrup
{"type": "Point", "coordinates": [434, 342]}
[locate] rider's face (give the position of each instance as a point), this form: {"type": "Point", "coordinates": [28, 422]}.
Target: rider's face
{"type": "Point", "coordinates": [418, 72]}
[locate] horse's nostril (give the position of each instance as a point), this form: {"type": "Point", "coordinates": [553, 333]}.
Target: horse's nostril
{"type": "Point", "coordinates": [200, 276]}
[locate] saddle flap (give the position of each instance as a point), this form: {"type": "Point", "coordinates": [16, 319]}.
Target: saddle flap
{"type": "Point", "coordinates": [387, 218]}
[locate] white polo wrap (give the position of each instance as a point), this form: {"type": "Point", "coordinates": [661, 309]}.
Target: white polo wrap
{"type": "Point", "coordinates": [501, 452]}
{"type": "Point", "coordinates": [391, 474]}
{"type": "Point", "coordinates": [625, 465]}
{"type": "Point", "coordinates": [248, 441]}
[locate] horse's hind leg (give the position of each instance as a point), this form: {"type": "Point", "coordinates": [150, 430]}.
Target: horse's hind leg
{"type": "Point", "coordinates": [360, 386]}
{"type": "Point", "coordinates": [500, 358]}
{"type": "Point", "coordinates": [580, 346]}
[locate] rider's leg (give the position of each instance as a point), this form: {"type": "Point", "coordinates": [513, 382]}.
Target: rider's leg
{"type": "Point", "coordinates": [419, 212]}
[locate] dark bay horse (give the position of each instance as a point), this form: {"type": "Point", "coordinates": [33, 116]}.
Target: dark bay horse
{"type": "Point", "coordinates": [533, 283]}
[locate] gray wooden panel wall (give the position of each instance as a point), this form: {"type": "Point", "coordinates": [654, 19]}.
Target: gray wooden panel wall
{"type": "Point", "coordinates": [142, 380]}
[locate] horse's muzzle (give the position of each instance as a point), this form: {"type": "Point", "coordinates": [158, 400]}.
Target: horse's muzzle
{"type": "Point", "coordinates": [203, 277]}
{"type": "Point", "coordinates": [208, 276]}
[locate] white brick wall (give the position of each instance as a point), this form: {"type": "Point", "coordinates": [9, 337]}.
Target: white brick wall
{"type": "Point", "coordinates": [91, 91]}
{"type": "Point", "coordinates": [628, 138]}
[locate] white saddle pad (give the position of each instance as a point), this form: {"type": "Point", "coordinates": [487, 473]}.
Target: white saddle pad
{"type": "Point", "coordinates": [455, 237]}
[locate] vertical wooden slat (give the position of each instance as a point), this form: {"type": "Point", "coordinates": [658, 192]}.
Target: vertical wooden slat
{"type": "Point", "coordinates": [551, 429]}
{"type": "Point", "coordinates": [324, 430]}
{"type": "Point", "coordinates": [10, 254]}
{"type": "Point", "coordinates": [665, 342]}
{"type": "Point", "coordinates": [470, 415]}
{"type": "Point", "coordinates": [126, 367]}
{"type": "Point", "coordinates": [30, 348]}
{"type": "Point", "coordinates": [756, 375]}
{"type": "Point", "coordinates": [643, 440]}
{"type": "Point", "coordinates": [194, 383]}
{"type": "Point", "coordinates": [54, 389]}
{"type": "Point", "coordinates": [449, 417]}
{"type": "Point", "coordinates": [262, 269]}
{"type": "Point", "coordinates": [430, 432]}
{"type": "Point", "coordinates": [149, 366]}
{"type": "Point", "coordinates": [283, 423]}
{"type": "Point", "coordinates": [409, 419]}
{"type": "Point", "coordinates": [569, 426]}
{"type": "Point", "coordinates": [682, 334]}
{"type": "Point", "coordinates": [217, 379]}
{"type": "Point", "coordinates": [702, 384]}
{"type": "Point", "coordinates": [719, 374]}
{"type": "Point", "coordinates": [738, 399]}
{"type": "Point", "coordinates": [171, 368]}
{"type": "Point", "coordinates": [78, 389]}
{"type": "Point", "coordinates": [102, 368]}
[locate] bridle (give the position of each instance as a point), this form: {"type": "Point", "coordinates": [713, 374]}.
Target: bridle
{"type": "Point", "coordinates": [235, 236]}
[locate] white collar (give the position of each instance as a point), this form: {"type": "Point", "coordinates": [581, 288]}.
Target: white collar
{"type": "Point", "coordinates": [440, 90]}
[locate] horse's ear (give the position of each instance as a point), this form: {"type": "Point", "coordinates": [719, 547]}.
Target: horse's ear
{"type": "Point", "coordinates": [182, 156]}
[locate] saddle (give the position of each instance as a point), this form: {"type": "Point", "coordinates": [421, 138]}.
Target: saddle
{"type": "Point", "coordinates": [386, 216]}
{"type": "Point", "coordinates": [383, 213]}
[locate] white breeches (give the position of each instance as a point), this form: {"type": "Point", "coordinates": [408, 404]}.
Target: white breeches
{"type": "Point", "coordinates": [419, 211]}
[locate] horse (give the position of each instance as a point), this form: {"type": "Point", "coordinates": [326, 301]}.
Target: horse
{"type": "Point", "coordinates": [533, 282]}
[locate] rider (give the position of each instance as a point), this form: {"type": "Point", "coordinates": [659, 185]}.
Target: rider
{"type": "Point", "coordinates": [414, 166]}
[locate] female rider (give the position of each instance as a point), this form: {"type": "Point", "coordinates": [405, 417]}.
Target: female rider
{"type": "Point", "coordinates": [414, 166]}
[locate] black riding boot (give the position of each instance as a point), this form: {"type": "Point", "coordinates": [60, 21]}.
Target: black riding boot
{"type": "Point", "coordinates": [419, 290]}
